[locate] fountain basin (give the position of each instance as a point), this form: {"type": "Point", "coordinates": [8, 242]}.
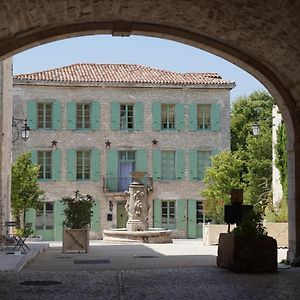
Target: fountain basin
{"type": "Point", "coordinates": [152, 236]}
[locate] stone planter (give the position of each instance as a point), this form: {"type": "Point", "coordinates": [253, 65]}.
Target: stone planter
{"type": "Point", "coordinates": [240, 253]}
{"type": "Point", "coordinates": [75, 240]}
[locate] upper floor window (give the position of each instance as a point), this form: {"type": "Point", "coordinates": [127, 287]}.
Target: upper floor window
{"type": "Point", "coordinates": [83, 165]}
{"type": "Point", "coordinates": [83, 116]}
{"type": "Point", "coordinates": [203, 116]}
{"type": "Point", "coordinates": [44, 160]}
{"type": "Point", "coordinates": [126, 116]}
{"type": "Point", "coordinates": [168, 116]}
{"type": "Point", "coordinates": [44, 115]}
{"type": "Point", "coordinates": [168, 165]}
{"type": "Point", "coordinates": [203, 161]}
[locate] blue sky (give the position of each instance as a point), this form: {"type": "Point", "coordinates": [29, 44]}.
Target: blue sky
{"type": "Point", "coordinates": [152, 52]}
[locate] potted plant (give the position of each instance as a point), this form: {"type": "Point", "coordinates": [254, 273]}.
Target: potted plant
{"type": "Point", "coordinates": [78, 213]}
{"type": "Point", "coordinates": [248, 248]}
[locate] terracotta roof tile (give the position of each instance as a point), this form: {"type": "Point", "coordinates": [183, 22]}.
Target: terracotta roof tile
{"type": "Point", "coordinates": [120, 73]}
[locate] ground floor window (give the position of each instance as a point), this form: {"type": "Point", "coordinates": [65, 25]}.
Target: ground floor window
{"type": "Point", "coordinates": [168, 214]}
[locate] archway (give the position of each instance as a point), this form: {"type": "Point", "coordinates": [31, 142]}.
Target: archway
{"type": "Point", "coordinates": [231, 32]}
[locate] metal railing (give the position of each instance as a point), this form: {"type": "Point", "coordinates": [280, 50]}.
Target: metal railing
{"type": "Point", "coordinates": [120, 184]}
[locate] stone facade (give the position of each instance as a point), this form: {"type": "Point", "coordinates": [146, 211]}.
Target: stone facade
{"type": "Point", "coordinates": [106, 95]}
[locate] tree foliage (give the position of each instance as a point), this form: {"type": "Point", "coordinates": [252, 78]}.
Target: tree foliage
{"type": "Point", "coordinates": [249, 165]}
{"type": "Point", "coordinates": [25, 190]}
{"type": "Point", "coordinates": [221, 178]}
{"type": "Point", "coordinates": [279, 211]}
{"type": "Point", "coordinates": [281, 158]}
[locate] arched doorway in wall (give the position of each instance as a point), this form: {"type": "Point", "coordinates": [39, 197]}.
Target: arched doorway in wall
{"type": "Point", "coordinates": [251, 64]}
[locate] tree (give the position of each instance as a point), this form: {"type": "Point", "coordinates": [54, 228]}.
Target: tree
{"type": "Point", "coordinates": [249, 165]}
{"type": "Point", "coordinates": [224, 175]}
{"type": "Point", "coordinates": [281, 158]}
{"type": "Point", "coordinates": [25, 190]}
{"type": "Point", "coordinates": [257, 107]}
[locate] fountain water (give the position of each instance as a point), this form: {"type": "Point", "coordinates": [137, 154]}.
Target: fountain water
{"type": "Point", "coordinates": [137, 227]}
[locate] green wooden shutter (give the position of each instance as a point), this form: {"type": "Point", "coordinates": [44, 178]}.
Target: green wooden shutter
{"type": "Point", "coordinates": [56, 113]}
{"type": "Point", "coordinates": [193, 117]}
{"type": "Point", "coordinates": [179, 116]}
{"type": "Point", "coordinates": [71, 115]}
{"type": "Point", "coordinates": [95, 222]}
{"type": "Point", "coordinates": [215, 117]}
{"type": "Point", "coordinates": [112, 169]}
{"type": "Point", "coordinates": [115, 116]}
{"type": "Point", "coordinates": [192, 219]}
{"type": "Point", "coordinates": [138, 116]}
{"type": "Point", "coordinates": [59, 217]}
{"type": "Point", "coordinates": [33, 157]}
{"type": "Point", "coordinates": [56, 165]}
{"type": "Point", "coordinates": [30, 217]}
{"type": "Point", "coordinates": [95, 116]}
{"type": "Point", "coordinates": [32, 114]}
{"type": "Point", "coordinates": [156, 164]}
{"type": "Point", "coordinates": [157, 213]}
{"type": "Point", "coordinates": [141, 160]}
{"type": "Point", "coordinates": [95, 164]}
{"type": "Point", "coordinates": [71, 164]}
{"type": "Point", "coordinates": [180, 164]}
{"type": "Point", "coordinates": [181, 220]}
{"type": "Point", "coordinates": [156, 116]}
{"type": "Point", "coordinates": [193, 165]}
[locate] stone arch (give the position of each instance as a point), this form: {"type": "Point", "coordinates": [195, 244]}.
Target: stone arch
{"type": "Point", "coordinates": [265, 45]}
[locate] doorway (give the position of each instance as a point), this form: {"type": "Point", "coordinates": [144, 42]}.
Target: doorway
{"type": "Point", "coordinates": [121, 215]}
{"type": "Point", "coordinates": [44, 221]}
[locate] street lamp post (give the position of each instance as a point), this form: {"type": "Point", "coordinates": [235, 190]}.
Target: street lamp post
{"type": "Point", "coordinates": [255, 129]}
{"type": "Point", "coordinates": [24, 130]}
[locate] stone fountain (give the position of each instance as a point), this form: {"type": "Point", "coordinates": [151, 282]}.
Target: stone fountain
{"type": "Point", "coordinates": [137, 227]}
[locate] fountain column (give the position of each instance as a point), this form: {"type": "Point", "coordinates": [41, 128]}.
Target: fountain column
{"type": "Point", "coordinates": [137, 204]}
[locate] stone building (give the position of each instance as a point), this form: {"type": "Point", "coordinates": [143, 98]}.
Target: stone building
{"type": "Point", "coordinates": [91, 125]}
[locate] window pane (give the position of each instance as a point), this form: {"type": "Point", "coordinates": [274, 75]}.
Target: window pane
{"type": "Point", "coordinates": [203, 116]}
{"type": "Point", "coordinates": [49, 217]}
{"type": "Point", "coordinates": [168, 214]}
{"type": "Point", "coordinates": [44, 115]}
{"type": "Point", "coordinates": [44, 160]}
{"type": "Point", "coordinates": [83, 164]}
{"type": "Point", "coordinates": [167, 116]}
